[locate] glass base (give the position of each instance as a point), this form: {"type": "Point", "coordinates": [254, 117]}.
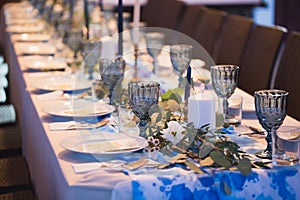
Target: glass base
{"type": "Point", "coordinates": [230, 119]}
{"type": "Point", "coordinates": [265, 154]}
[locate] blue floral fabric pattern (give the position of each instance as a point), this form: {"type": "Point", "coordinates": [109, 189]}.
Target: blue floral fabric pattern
{"type": "Point", "coordinates": [279, 183]}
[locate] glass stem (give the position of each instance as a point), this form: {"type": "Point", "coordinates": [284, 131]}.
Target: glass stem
{"type": "Point", "coordinates": [155, 62]}
{"type": "Point", "coordinates": [225, 106]}
{"type": "Point", "coordinates": [269, 140]}
{"type": "Point", "coordinates": [75, 55]}
{"type": "Point", "coordinates": [110, 97]}
{"type": "Point", "coordinates": [180, 80]}
{"type": "Point", "coordinates": [143, 128]}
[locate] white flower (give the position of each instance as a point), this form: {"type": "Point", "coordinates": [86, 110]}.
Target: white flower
{"type": "Point", "coordinates": [173, 133]}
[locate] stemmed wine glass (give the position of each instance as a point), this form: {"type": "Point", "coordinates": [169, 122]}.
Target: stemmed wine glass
{"type": "Point", "coordinates": [270, 107]}
{"type": "Point", "coordinates": [224, 80]}
{"type": "Point", "coordinates": [141, 96]}
{"type": "Point", "coordinates": [74, 40]}
{"type": "Point", "coordinates": [111, 71]}
{"type": "Point", "coordinates": [154, 43]}
{"type": "Point", "coordinates": [181, 55]}
{"type": "Point", "coordinates": [90, 51]}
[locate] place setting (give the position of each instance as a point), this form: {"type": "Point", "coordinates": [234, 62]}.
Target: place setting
{"type": "Point", "coordinates": [43, 63]}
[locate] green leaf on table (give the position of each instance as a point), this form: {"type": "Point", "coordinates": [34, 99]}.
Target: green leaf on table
{"type": "Point", "coordinates": [172, 94]}
{"type": "Point", "coordinates": [220, 159]}
{"type": "Point", "coordinates": [226, 188]}
{"type": "Point", "coordinates": [262, 164]}
{"type": "Point", "coordinates": [244, 166]}
{"type": "Point", "coordinates": [177, 158]}
{"type": "Point", "coordinates": [193, 167]}
{"type": "Point", "coordinates": [154, 109]}
{"type": "Point", "coordinates": [207, 162]}
{"type": "Point", "coordinates": [205, 149]}
{"type": "Point", "coordinates": [176, 97]}
{"type": "Point", "coordinates": [168, 115]}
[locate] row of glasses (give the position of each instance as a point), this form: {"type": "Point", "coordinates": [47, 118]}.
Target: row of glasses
{"type": "Point", "coordinates": [181, 56]}
{"type": "Point", "coordinates": [154, 44]}
{"type": "Point", "coordinates": [270, 108]}
{"type": "Point", "coordinates": [90, 51]}
{"type": "Point", "coordinates": [224, 81]}
{"type": "Point", "coordinates": [111, 72]}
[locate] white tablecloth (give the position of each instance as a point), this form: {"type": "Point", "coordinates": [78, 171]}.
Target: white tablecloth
{"type": "Point", "coordinates": [51, 170]}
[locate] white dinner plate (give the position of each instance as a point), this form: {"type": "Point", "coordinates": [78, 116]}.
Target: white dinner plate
{"type": "Point", "coordinates": [38, 62]}
{"type": "Point", "coordinates": [78, 109]}
{"type": "Point", "coordinates": [34, 48]}
{"type": "Point", "coordinates": [104, 144]}
{"type": "Point", "coordinates": [13, 21]}
{"type": "Point", "coordinates": [60, 82]}
{"type": "Point", "coordinates": [30, 37]}
{"type": "Point", "coordinates": [25, 28]}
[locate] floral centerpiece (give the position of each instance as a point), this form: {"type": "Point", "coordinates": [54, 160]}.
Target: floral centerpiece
{"type": "Point", "coordinates": [169, 133]}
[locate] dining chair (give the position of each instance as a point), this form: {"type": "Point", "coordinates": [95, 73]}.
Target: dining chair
{"type": "Point", "coordinates": [170, 13]}
{"type": "Point", "coordinates": [150, 12]}
{"type": "Point", "coordinates": [190, 16]}
{"type": "Point", "coordinates": [165, 14]}
{"type": "Point", "coordinates": [208, 28]}
{"type": "Point", "coordinates": [288, 73]}
{"type": "Point", "coordinates": [232, 39]}
{"type": "Point", "coordinates": [259, 57]}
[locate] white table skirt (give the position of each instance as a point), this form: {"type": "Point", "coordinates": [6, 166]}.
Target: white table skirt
{"type": "Point", "coordinates": [49, 164]}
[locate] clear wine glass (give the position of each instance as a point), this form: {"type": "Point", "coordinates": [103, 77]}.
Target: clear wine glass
{"type": "Point", "coordinates": [90, 51]}
{"type": "Point", "coordinates": [141, 96]}
{"type": "Point", "coordinates": [111, 71]}
{"type": "Point", "coordinates": [181, 55]}
{"type": "Point", "coordinates": [74, 40]}
{"type": "Point", "coordinates": [154, 43]}
{"type": "Point", "coordinates": [224, 80]}
{"type": "Point", "coordinates": [270, 107]}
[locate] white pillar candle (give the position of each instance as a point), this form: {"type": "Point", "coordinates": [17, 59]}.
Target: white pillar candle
{"type": "Point", "coordinates": [136, 21]}
{"type": "Point", "coordinates": [108, 48]}
{"type": "Point", "coordinates": [201, 110]}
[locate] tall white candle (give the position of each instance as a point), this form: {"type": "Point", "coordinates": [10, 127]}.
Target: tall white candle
{"type": "Point", "coordinates": [136, 20]}
{"type": "Point", "coordinates": [201, 110]}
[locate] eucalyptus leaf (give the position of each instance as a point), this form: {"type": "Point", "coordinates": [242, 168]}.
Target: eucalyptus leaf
{"type": "Point", "coordinates": [226, 188]}
{"type": "Point", "coordinates": [220, 159]}
{"type": "Point", "coordinates": [244, 166]}
{"type": "Point", "coordinates": [262, 164]}
{"type": "Point", "coordinates": [193, 167]}
{"type": "Point", "coordinates": [205, 149]}
{"type": "Point", "coordinates": [176, 98]}
{"type": "Point", "coordinates": [168, 115]}
{"type": "Point", "coordinates": [166, 96]}
{"type": "Point", "coordinates": [175, 159]}
{"type": "Point", "coordinates": [154, 109]}
{"type": "Point", "coordinates": [206, 162]}
{"type": "Point", "coordinates": [159, 118]}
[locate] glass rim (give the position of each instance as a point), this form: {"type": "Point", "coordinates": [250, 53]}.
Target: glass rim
{"type": "Point", "coordinates": [144, 83]}
{"type": "Point", "coordinates": [224, 66]}
{"type": "Point", "coordinates": [271, 92]}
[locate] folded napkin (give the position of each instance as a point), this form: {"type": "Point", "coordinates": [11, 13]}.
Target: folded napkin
{"type": "Point", "coordinates": [81, 168]}
{"type": "Point", "coordinates": [50, 96]}
{"type": "Point", "coordinates": [39, 74]}
{"type": "Point", "coordinates": [103, 125]}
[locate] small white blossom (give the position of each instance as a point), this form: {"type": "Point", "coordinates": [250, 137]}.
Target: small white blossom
{"type": "Point", "coordinates": [174, 132]}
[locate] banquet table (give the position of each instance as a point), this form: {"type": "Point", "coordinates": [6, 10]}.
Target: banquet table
{"type": "Point", "coordinates": [53, 177]}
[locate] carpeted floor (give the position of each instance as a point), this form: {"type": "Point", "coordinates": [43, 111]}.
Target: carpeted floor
{"type": "Point", "coordinates": [15, 181]}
